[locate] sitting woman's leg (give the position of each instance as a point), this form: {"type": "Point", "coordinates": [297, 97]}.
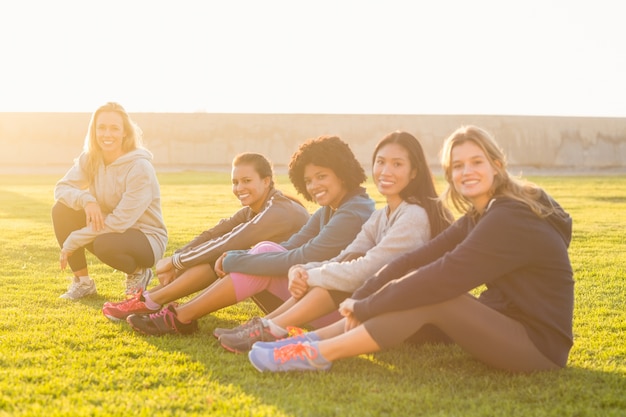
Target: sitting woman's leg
{"type": "Point", "coordinates": [190, 281]}
{"type": "Point", "coordinates": [233, 288]}
{"type": "Point", "coordinates": [486, 334]}
{"type": "Point", "coordinates": [284, 307]}
{"type": "Point", "coordinates": [219, 295]}
{"type": "Point", "coordinates": [332, 330]}
{"type": "Point", "coordinates": [315, 304]}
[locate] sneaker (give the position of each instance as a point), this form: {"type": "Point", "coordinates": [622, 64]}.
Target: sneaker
{"type": "Point", "coordinates": [163, 322]}
{"type": "Point", "coordinates": [304, 337]}
{"type": "Point", "coordinates": [79, 289]}
{"type": "Point", "coordinates": [220, 331]}
{"type": "Point", "coordinates": [119, 311]}
{"type": "Point", "coordinates": [137, 282]}
{"type": "Point", "coordinates": [294, 357]}
{"type": "Point", "coordinates": [243, 340]}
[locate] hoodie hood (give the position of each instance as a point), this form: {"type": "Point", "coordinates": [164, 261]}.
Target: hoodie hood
{"type": "Point", "coordinates": [139, 153]}
{"type": "Point", "coordinates": [559, 219]}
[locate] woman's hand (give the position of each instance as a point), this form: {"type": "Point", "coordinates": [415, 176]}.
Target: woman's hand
{"type": "Point", "coordinates": [298, 281]}
{"type": "Point", "coordinates": [218, 268]}
{"type": "Point", "coordinates": [350, 323]}
{"type": "Point", "coordinates": [63, 258]}
{"type": "Point", "coordinates": [94, 217]}
{"type": "Point", "coordinates": [166, 273]}
{"type": "Point", "coordinates": [346, 309]}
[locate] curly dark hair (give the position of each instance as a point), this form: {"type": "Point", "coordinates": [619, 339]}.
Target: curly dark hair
{"type": "Point", "coordinates": [328, 152]}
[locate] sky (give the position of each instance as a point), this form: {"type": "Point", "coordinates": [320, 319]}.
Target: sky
{"type": "Point", "coordinates": [531, 57]}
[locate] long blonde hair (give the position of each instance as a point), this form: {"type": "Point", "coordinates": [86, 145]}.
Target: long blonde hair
{"type": "Point", "coordinates": [503, 183]}
{"type": "Point", "coordinates": [133, 137]}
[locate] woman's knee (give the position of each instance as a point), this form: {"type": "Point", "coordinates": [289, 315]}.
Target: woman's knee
{"type": "Point", "coordinates": [266, 246]}
{"type": "Point", "coordinates": [102, 246]}
{"type": "Point", "coordinates": [248, 285]}
{"type": "Point", "coordinates": [65, 219]}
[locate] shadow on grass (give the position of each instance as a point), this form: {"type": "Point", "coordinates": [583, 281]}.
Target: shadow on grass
{"type": "Point", "coordinates": [434, 379]}
{"type": "Point", "coordinates": [608, 199]}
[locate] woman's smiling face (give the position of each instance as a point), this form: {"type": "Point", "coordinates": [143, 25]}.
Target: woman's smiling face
{"type": "Point", "coordinates": [324, 186]}
{"type": "Point", "coordinates": [249, 187]}
{"type": "Point", "coordinates": [110, 134]}
{"type": "Point", "coordinates": [392, 172]}
{"type": "Point", "coordinates": [472, 174]}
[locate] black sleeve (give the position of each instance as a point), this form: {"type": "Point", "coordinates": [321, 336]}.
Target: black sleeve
{"type": "Point", "coordinates": [423, 255]}
{"type": "Point", "coordinates": [501, 242]}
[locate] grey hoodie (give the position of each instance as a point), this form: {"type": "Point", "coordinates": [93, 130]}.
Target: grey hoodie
{"type": "Point", "coordinates": [129, 196]}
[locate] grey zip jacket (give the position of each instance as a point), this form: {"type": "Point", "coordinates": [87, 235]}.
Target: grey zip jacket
{"type": "Point", "coordinates": [128, 193]}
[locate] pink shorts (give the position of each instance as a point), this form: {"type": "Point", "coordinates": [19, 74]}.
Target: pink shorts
{"type": "Point", "coordinates": [248, 285]}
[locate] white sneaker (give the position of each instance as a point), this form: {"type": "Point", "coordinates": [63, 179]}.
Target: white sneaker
{"type": "Point", "coordinates": [79, 289]}
{"type": "Point", "coordinates": [138, 281]}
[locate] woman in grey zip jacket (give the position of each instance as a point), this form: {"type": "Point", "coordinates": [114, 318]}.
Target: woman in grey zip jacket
{"type": "Point", "coordinates": [109, 203]}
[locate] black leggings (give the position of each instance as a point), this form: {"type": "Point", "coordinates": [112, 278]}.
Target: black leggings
{"type": "Point", "coordinates": [123, 251]}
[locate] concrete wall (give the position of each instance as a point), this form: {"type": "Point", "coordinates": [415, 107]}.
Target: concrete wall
{"type": "Point", "coordinates": [32, 142]}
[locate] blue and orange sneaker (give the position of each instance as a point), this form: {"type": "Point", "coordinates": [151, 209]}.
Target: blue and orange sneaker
{"type": "Point", "coordinates": [295, 357]}
{"type": "Point", "coordinates": [299, 338]}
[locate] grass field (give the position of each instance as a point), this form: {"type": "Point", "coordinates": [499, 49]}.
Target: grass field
{"type": "Point", "coordinates": [65, 358]}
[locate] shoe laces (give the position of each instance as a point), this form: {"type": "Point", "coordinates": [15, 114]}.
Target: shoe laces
{"type": "Point", "coordinates": [73, 286]}
{"type": "Point", "coordinates": [168, 316]}
{"type": "Point", "coordinates": [294, 331]}
{"type": "Point", "coordinates": [252, 328]}
{"type": "Point", "coordinates": [77, 284]}
{"type": "Point", "coordinates": [249, 324]}
{"type": "Point", "coordinates": [132, 302]}
{"type": "Point", "coordinates": [133, 281]}
{"type": "Point", "coordinates": [303, 351]}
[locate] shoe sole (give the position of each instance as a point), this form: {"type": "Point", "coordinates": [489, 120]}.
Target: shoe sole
{"type": "Point", "coordinates": [64, 297]}
{"type": "Point", "coordinates": [138, 330]}
{"type": "Point", "coordinates": [112, 318]}
{"type": "Point", "coordinates": [254, 364]}
{"type": "Point", "coordinates": [238, 352]}
{"type": "Point", "coordinates": [218, 335]}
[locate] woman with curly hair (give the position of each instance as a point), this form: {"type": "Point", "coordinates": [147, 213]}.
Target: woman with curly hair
{"type": "Point", "coordinates": [323, 170]}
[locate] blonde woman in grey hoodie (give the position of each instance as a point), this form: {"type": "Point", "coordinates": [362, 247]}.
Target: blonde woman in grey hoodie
{"type": "Point", "coordinates": [109, 203]}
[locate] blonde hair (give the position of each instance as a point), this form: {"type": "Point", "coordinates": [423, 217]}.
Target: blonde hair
{"type": "Point", "coordinates": [503, 183]}
{"type": "Point", "coordinates": [133, 137]}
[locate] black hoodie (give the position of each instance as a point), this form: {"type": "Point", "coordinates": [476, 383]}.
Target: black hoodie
{"type": "Point", "coordinates": [521, 258]}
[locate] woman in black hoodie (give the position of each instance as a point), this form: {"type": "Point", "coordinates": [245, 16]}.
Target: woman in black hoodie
{"type": "Point", "coordinates": [513, 238]}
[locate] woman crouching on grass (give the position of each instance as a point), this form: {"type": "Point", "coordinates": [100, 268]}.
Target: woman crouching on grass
{"type": "Point", "coordinates": [513, 238]}
{"type": "Point", "coordinates": [109, 203]}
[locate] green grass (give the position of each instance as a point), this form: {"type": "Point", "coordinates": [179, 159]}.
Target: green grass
{"type": "Point", "coordinates": [64, 358]}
